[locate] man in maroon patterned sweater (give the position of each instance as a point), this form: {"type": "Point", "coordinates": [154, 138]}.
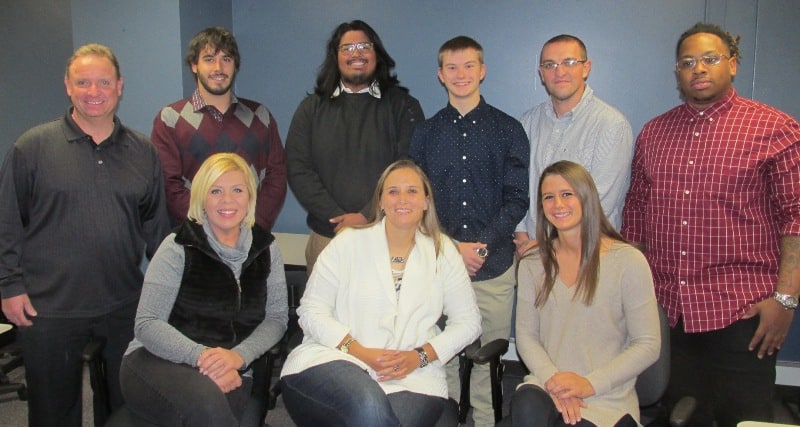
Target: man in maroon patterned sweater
{"type": "Point", "coordinates": [214, 120]}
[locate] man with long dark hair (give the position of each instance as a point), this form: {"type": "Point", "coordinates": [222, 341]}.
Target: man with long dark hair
{"type": "Point", "coordinates": [358, 121]}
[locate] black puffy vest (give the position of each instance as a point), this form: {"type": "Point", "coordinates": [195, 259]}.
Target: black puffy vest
{"type": "Point", "coordinates": [211, 308]}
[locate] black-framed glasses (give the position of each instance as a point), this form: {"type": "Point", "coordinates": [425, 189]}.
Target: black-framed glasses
{"type": "Point", "coordinates": [350, 48]}
{"type": "Point", "coordinates": [709, 60]}
{"type": "Point", "coordinates": [568, 63]}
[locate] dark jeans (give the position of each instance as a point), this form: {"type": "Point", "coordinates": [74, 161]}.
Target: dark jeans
{"type": "Point", "coordinates": [52, 350]}
{"type": "Point", "coordinates": [340, 393]}
{"type": "Point", "coordinates": [173, 394]}
{"type": "Point", "coordinates": [532, 406]}
{"type": "Point", "coordinates": [730, 383]}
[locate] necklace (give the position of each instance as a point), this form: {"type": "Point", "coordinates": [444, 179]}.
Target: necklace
{"type": "Point", "coordinates": [399, 259]}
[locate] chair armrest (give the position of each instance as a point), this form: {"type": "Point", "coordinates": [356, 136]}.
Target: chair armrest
{"type": "Point", "coordinates": [682, 412]}
{"type": "Point", "coordinates": [490, 351]}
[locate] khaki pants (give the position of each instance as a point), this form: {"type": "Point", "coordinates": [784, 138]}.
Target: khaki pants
{"type": "Point", "coordinates": [496, 303]}
{"type": "Point", "coordinates": [316, 243]}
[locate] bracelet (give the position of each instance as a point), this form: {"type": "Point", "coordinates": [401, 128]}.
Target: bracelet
{"type": "Point", "coordinates": [423, 357]}
{"type": "Point", "coordinates": [345, 348]}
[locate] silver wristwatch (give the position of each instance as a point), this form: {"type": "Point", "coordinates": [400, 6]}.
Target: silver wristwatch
{"type": "Point", "coordinates": [423, 357]}
{"type": "Point", "coordinates": [787, 301]}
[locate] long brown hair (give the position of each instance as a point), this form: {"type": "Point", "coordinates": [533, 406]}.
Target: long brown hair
{"type": "Point", "coordinates": [594, 226]}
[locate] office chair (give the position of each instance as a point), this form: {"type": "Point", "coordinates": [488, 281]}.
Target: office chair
{"type": "Point", "coordinates": [12, 360]}
{"type": "Point", "coordinates": [492, 354]}
{"type": "Point", "coordinates": [255, 411]}
{"type": "Point", "coordinates": [652, 383]}
{"type": "Point", "coordinates": [455, 412]}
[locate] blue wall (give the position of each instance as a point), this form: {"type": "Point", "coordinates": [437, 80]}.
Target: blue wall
{"type": "Point", "coordinates": [631, 44]}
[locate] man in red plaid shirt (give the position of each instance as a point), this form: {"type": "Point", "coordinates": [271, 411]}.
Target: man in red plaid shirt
{"type": "Point", "coordinates": [714, 203]}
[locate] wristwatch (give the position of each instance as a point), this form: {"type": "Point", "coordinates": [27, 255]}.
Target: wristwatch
{"type": "Point", "coordinates": [346, 346]}
{"type": "Point", "coordinates": [787, 301]}
{"type": "Point", "coordinates": [423, 357]}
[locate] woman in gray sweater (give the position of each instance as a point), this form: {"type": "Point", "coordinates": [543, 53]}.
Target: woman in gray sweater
{"type": "Point", "coordinates": [587, 319]}
{"type": "Point", "coordinates": [213, 301]}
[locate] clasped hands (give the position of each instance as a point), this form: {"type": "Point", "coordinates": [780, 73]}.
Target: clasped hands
{"type": "Point", "coordinates": [390, 364]}
{"type": "Point", "coordinates": [568, 389]}
{"type": "Point", "coordinates": [222, 366]}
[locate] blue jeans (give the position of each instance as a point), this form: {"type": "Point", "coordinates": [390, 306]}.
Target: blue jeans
{"type": "Point", "coordinates": [173, 394]}
{"type": "Point", "coordinates": [340, 393]}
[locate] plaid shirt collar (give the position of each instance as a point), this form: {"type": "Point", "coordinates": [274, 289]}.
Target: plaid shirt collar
{"type": "Point", "coordinates": [198, 103]}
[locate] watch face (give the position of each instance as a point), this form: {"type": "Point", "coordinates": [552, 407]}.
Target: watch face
{"type": "Point", "coordinates": [788, 301]}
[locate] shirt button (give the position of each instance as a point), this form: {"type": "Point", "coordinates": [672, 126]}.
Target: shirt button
{"type": "Point", "coordinates": [686, 192]}
{"type": "Point", "coordinates": [464, 180]}
{"type": "Point", "coordinates": [463, 157]}
{"type": "Point", "coordinates": [683, 253]}
{"type": "Point", "coordinates": [691, 162]}
{"type": "Point", "coordinates": [99, 162]}
{"type": "Point", "coordinates": [474, 122]}
{"type": "Point", "coordinates": [697, 134]}
{"type": "Point", "coordinates": [464, 134]}
{"type": "Point", "coordinates": [685, 222]}
{"type": "Point", "coordinates": [464, 203]}
{"type": "Point", "coordinates": [682, 282]}
{"type": "Point", "coordinates": [464, 226]}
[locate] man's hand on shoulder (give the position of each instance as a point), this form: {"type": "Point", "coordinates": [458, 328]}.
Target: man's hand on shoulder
{"type": "Point", "coordinates": [347, 220]}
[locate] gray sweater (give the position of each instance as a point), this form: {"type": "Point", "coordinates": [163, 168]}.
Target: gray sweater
{"type": "Point", "coordinates": [609, 342]}
{"type": "Point", "coordinates": [162, 282]}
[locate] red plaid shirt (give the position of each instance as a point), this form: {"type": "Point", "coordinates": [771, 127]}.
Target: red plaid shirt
{"type": "Point", "coordinates": [711, 194]}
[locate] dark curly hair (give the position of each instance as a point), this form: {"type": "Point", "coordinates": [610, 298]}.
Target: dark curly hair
{"type": "Point", "coordinates": [731, 41]}
{"type": "Point", "coordinates": [219, 39]}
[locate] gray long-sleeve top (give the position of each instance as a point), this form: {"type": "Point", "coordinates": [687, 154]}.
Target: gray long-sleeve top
{"type": "Point", "coordinates": [161, 285]}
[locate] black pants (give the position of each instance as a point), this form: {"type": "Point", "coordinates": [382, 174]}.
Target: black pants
{"type": "Point", "coordinates": [174, 394]}
{"type": "Point", "coordinates": [52, 350]}
{"type": "Point", "coordinates": [730, 383]}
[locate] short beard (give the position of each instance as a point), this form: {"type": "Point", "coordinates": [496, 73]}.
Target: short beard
{"type": "Point", "coordinates": [358, 80]}
{"type": "Point", "coordinates": [216, 91]}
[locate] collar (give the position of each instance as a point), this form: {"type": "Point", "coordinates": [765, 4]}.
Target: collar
{"type": "Point", "coordinates": [373, 89]}
{"type": "Point", "coordinates": [452, 111]}
{"type": "Point", "coordinates": [198, 102]}
{"type": "Point", "coordinates": [719, 107]}
{"type": "Point", "coordinates": [74, 133]}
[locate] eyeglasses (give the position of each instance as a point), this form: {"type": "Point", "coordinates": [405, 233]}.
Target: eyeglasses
{"type": "Point", "coordinates": [568, 63]}
{"type": "Point", "coordinates": [709, 60]}
{"type": "Point", "coordinates": [350, 48]}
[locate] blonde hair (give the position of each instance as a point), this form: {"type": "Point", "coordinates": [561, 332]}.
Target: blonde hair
{"type": "Point", "coordinates": [429, 225]}
{"type": "Point", "coordinates": [214, 167]}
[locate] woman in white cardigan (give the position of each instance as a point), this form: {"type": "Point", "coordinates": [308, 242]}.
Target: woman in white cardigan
{"type": "Point", "coordinates": [587, 319]}
{"type": "Point", "coordinates": [372, 354]}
